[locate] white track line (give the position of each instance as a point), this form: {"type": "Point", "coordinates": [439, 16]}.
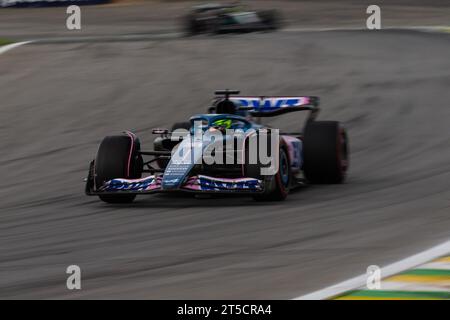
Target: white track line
{"type": "Point", "coordinates": [438, 29]}
{"type": "Point", "coordinates": [9, 47]}
{"type": "Point", "coordinates": [387, 271]}
{"type": "Point", "coordinates": [414, 286]}
{"type": "Point", "coordinates": [436, 265]}
{"type": "Point", "coordinates": [322, 29]}
{"type": "Point", "coordinates": [167, 35]}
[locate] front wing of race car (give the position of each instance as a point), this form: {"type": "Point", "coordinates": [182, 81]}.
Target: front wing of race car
{"type": "Point", "coordinates": [196, 184]}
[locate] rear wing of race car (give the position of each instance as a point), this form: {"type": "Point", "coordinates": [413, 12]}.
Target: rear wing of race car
{"type": "Point", "coordinates": [274, 106]}
{"type": "Point", "coordinates": [269, 106]}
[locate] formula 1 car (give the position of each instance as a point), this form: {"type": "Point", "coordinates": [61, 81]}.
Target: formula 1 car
{"type": "Point", "coordinates": [248, 157]}
{"type": "Point", "coordinates": [217, 18]}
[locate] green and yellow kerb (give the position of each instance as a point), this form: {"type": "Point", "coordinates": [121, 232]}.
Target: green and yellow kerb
{"type": "Point", "coordinates": [430, 281]}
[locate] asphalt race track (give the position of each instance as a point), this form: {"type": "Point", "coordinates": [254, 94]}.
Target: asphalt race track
{"type": "Point", "coordinates": [390, 89]}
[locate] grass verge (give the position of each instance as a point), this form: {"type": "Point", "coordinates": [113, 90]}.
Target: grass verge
{"type": "Point", "coordinates": [4, 42]}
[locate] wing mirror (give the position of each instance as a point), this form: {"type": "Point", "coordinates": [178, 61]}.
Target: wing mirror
{"type": "Point", "coordinates": [160, 131]}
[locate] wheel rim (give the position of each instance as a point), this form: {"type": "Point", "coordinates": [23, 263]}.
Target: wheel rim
{"type": "Point", "coordinates": [284, 168]}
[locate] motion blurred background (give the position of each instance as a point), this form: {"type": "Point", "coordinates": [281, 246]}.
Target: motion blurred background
{"type": "Point", "coordinates": [139, 16]}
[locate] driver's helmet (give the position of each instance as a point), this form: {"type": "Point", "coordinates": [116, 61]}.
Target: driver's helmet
{"type": "Point", "coordinates": [226, 107]}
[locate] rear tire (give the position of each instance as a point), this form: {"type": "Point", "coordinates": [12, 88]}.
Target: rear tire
{"type": "Point", "coordinates": [118, 157]}
{"type": "Point", "coordinates": [326, 152]}
{"type": "Point", "coordinates": [181, 125]}
{"type": "Point", "coordinates": [192, 26]}
{"type": "Point", "coordinates": [166, 144]}
{"type": "Point", "coordinates": [271, 19]}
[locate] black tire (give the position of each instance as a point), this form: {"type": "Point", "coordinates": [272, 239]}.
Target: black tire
{"type": "Point", "coordinates": [164, 144]}
{"type": "Point", "coordinates": [181, 125]}
{"type": "Point", "coordinates": [271, 19]}
{"type": "Point", "coordinates": [192, 25]}
{"type": "Point", "coordinates": [214, 26]}
{"type": "Point", "coordinates": [118, 157]}
{"type": "Point", "coordinates": [326, 152]}
{"type": "Point", "coordinates": [276, 187]}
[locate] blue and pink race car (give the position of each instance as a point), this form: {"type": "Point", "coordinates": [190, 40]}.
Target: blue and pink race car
{"type": "Point", "coordinates": [226, 151]}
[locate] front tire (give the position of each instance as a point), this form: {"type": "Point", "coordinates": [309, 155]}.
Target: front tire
{"type": "Point", "coordinates": [276, 187]}
{"type": "Point", "coordinates": [118, 157]}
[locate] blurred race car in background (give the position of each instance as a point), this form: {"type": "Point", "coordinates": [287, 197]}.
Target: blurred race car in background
{"type": "Point", "coordinates": [222, 18]}
{"type": "Point", "coordinates": [316, 154]}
